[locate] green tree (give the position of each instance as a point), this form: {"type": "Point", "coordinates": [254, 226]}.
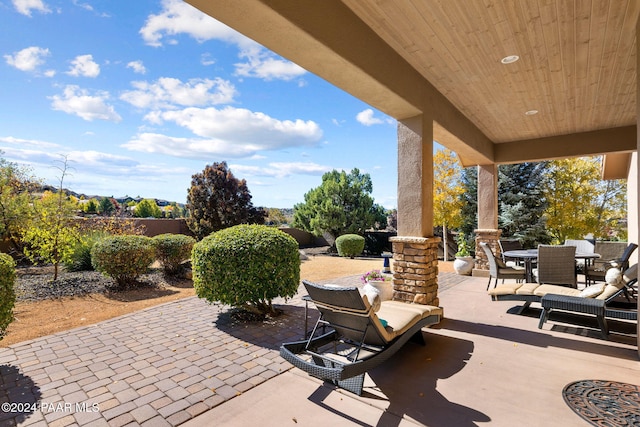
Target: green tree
{"type": "Point", "coordinates": [521, 202]}
{"type": "Point", "coordinates": [447, 189]}
{"type": "Point", "coordinates": [106, 207]}
{"type": "Point", "coordinates": [275, 217]}
{"type": "Point", "coordinates": [91, 207]}
{"type": "Point", "coordinates": [342, 204]}
{"type": "Point", "coordinates": [16, 186]}
{"type": "Point", "coordinates": [53, 235]}
{"type": "Point", "coordinates": [218, 200]}
{"type": "Point", "coordinates": [581, 203]}
{"type": "Point", "coordinates": [147, 208]}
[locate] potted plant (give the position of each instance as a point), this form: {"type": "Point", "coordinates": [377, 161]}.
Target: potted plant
{"type": "Point", "coordinates": [464, 262]}
{"type": "Point", "coordinates": [376, 279]}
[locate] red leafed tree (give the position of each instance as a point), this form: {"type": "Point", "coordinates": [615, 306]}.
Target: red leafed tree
{"type": "Point", "coordinates": [218, 200]}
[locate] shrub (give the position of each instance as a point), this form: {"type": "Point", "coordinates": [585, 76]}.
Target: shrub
{"type": "Point", "coordinates": [7, 293]}
{"type": "Point", "coordinates": [246, 266]}
{"type": "Point", "coordinates": [172, 250]}
{"type": "Point", "coordinates": [123, 258]}
{"type": "Point", "coordinates": [80, 258]}
{"type": "Point", "coordinates": [350, 245]}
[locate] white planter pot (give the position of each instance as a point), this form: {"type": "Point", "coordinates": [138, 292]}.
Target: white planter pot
{"type": "Point", "coordinates": [385, 288]}
{"type": "Point", "coordinates": [463, 265]}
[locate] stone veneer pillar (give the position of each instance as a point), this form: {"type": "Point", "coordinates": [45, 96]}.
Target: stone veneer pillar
{"type": "Point", "coordinates": [415, 269]}
{"type": "Point", "coordinates": [491, 237]}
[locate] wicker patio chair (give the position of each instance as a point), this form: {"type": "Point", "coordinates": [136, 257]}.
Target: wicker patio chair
{"type": "Point", "coordinates": [556, 265]}
{"type": "Point", "coordinates": [499, 270]}
{"type": "Point", "coordinates": [598, 270]}
{"type": "Point", "coordinates": [510, 245]}
{"type": "Point", "coordinates": [360, 337]}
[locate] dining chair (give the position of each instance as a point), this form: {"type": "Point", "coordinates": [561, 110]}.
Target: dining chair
{"type": "Point", "coordinates": [556, 265]}
{"type": "Point", "coordinates": [598, 270]}
{"type": "Point", "coordinates": [499, 270]}
{"type": "Point", "coordinates": [510, 245]}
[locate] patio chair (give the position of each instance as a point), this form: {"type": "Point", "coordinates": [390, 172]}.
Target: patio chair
{"type": "Point", "coordinates": [599, 299]}
{"type": "Point", "coordinates": [584, 246]}
{"type": "Point", "coordinates": [556, 265]}
{"type": "Point", "coordinates": [510, 245]}
{"type": "Point", "coordinates": [598, 270]}
{"type": "Point", "coordinates": [360, 337]}
{"type": "Point", "coordinates": [499, 270]}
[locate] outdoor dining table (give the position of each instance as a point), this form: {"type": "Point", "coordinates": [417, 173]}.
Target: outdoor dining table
{"type": "Point", "coordinates": [529, 255]}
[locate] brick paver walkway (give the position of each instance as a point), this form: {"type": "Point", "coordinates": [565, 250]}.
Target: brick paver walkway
{"type": "Point", "coordinates": [159, 366]}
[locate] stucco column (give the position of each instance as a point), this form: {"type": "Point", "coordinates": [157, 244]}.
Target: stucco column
{"type": "Point", "coordinates": [487, 216]}
{"type": "Point", "coordinates": [415, 249]}
{"type": "Point", "coordinates": [636, 238]}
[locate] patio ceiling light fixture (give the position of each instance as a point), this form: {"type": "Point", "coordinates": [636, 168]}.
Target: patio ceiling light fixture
{"type": "Point", "coordinates": [509, 59]}
{"type": "Point", "coordinates": [531, 112]}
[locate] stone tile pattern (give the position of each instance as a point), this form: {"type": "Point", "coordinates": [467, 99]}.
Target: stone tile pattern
{"type": "Point", "coordinates": [491, 237]}
{"type": "Point", "coordinates": [415, 269]}
{"type": "Point", "coordinates": [156, 367]}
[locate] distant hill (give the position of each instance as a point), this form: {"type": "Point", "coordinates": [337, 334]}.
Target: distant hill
{"type": "Point", "coordinates": [121, 200]}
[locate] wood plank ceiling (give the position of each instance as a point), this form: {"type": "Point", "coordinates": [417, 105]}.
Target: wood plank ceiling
{"type": "Point", "coordinates": [577, 63]}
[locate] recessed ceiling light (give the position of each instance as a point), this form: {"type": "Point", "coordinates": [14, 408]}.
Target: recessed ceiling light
{"type": "Point", "coordinates": [509, 59]}
{"type": "Point", "coordinates": [531, 112]}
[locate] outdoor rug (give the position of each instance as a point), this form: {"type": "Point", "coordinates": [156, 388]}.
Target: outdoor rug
{"type": "Point", "coordinates": [604, 403]}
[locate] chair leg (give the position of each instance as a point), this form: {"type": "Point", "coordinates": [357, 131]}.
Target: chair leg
{"type": "Point", "coordinates": [489, 284]}
{"type": "Point", "coordinates": [604, 328]}
{"type": "Point", "coordinates": [543, 317]}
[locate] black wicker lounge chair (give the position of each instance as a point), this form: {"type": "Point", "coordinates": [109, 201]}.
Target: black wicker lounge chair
{"type": "Point", "coordinates": [359, 338]}
{"type": "Point", "coordinates": [598, 300]}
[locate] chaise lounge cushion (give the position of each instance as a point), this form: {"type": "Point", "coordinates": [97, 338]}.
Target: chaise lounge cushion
{"type": "Point", "coordinates": [401, 316]}
{"type": "Point", "coordinates": [592, 291]}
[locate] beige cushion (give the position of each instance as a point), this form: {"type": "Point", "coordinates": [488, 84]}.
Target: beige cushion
{"type": "Point", "coordinates": [618, 280]}
{"type": "Point", "coordinates": [401, 316]}
{"type": "Point", "coordinates": [542, 290]}
{"type": "Point", "coordinates": [592, 291]}
{"type": "Point", "coordinates": [527, 289]}
{"type": "Point", "coordinates": [505, 289]}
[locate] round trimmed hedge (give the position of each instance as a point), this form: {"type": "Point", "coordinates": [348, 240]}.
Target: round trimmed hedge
{"type": "Point", "coordinates": [172, 250]}
{"type": "Point", "coordinates": [350, 245]}
{"type": "Point", "coordinates": [7, 292]}
{"type": "Point", "coordinates": [246, 266]}
{"type": "Point", "coordinates": [123, 258]}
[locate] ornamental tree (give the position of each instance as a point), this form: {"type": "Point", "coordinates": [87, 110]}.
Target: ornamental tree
{"type": "Point", "coordinates": [447, 189]}
{"type": "Point", "coordinates": [342, 204]}
{"type": "Point", "coordinates": [218, 200]}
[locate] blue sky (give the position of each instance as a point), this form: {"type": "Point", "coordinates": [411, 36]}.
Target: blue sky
{"type": "Point", "coordinates": [139, 95]}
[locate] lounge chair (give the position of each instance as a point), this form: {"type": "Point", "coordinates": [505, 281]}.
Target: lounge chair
{"type": "Point", "coordinates": [359, 338]}
{"type": "Point", "coordinates": [595, 299]}
{"type": "Point", "coordinates": [610, 256]}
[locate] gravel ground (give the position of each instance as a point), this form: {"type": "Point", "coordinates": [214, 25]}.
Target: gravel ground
{"type": "Point", "coordinates": [36, 283]}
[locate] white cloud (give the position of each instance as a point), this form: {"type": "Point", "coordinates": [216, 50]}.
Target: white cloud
{"type": "Point", "coordinates": [28, 142]}
{"type": "Point", "coordinates": [89, 107]}
{"type": "Point", "coordinates": [170, 92]}
{"type": "Point", "coordinates": [243, 126]}
{"type": "Point", "coordinates": [26, 6]}
{"type": "Point", "coordinates": [283, 169]}
{"type": "Point", "coordinates": [84, 66]}
{"type": "Point", "coordinates": [28, 59]}
{"type": "Point", "coordinates": [137, 67]}
{"type": "Point", "coordinates": [265, 65]}
{"type": "Point", "coordinates": [366, 118]}
{"type": "Point", "coordinates": [230, 132]}
{"type": "Point", "coordinates": [177, 17]}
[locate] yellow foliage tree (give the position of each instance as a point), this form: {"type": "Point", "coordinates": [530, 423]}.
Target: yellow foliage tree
{"type": "Point", "coordinates": [447, 188]}
{"type": "Point", "coordinates": [580, 202]}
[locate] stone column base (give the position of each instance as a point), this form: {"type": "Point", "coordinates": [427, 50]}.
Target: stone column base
{"type": "Point", "coordinates": [415, 269]}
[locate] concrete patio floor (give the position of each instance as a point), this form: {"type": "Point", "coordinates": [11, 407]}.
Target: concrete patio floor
{"type": "Point", "coordinates": [186, 363]}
